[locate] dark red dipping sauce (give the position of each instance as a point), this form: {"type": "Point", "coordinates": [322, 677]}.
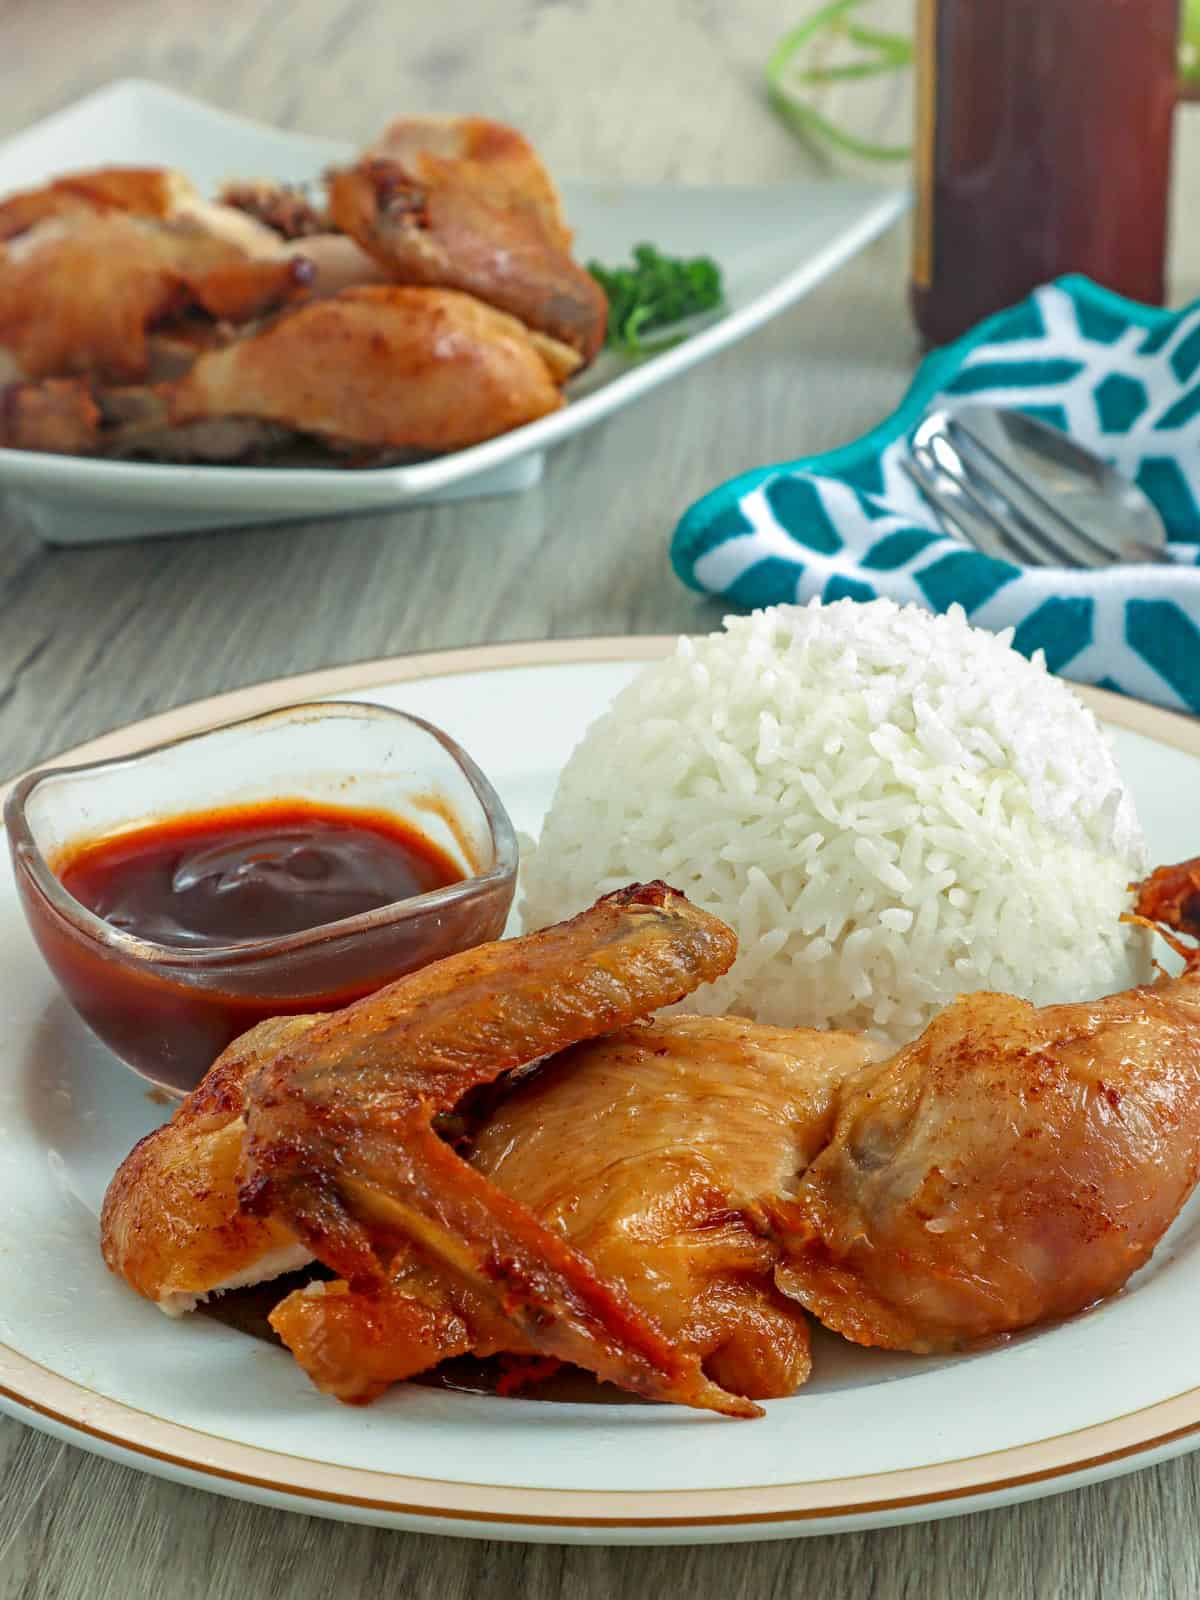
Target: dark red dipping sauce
{"type": "Point", "coordinates": [252, 872]}
{"type": "Point", "coordinates": [219, 892]}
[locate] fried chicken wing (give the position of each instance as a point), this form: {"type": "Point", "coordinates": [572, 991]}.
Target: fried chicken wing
{"type": "Point", "coordinates": [467, 205]}
{"type": "Point", "coordinates": [171, 1225]}
{"type": "Point", "coordinates": [383, 368]}
{"type": "Point", "coordinates": [354, 1344]}
{"type": "Point", "coordinates": [1011, 1166]}
{"type": "Point", "coordinates": [340, 1146]}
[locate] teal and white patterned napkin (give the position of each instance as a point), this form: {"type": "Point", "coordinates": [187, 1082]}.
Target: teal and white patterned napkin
{"type": "Point", "coordinates": [1122, 378]}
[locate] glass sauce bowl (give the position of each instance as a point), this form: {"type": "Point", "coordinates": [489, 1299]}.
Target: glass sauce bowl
{"type": "Point", "coordinates": [169, 1011]}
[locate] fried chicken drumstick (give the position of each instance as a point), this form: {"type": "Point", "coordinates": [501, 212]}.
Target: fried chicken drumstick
{"type": "Point", "coordinates": [379, 369]}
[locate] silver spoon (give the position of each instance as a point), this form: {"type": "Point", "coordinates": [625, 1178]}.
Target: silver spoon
{"type": "Point", "coordinates": [1015, 487]}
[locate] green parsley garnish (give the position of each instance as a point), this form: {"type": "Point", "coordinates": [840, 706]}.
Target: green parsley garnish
{"type": "Point", "coordinates": [654, 292]}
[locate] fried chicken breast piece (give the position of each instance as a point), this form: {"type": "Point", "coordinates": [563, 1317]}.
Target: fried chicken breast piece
{"type": "Point", "coordinates": [340, 1144]}
{"type": "Point", "coordinates": [384, 368]}
{"type": "Point", "coordinates": [171, 1225]}
{"type": "Point", "coordinates": [1011, 1166]}
{"type": "Point", "coordinates": [466, 204]}
{"type": "Point", "coordinates": [690, 1122]}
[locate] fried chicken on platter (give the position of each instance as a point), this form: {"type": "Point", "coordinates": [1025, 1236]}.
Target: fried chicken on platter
{"type": "Point", "coordinates": [138, 318]}
{"type": "Point", "coordinates": [660, 1201]}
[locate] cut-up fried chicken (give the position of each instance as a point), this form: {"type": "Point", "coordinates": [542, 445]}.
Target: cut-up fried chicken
{"type": "Point", "coordinates": [383, 368]}
{"type": "Point", "coordinates": [340, 1143]}
{"type": "Point", "coordinates": [1011, 1166]}
{"type": "Point", "coordinates": [81, 299]}
{"type": "Point", "coordinates": [658, 1200]}
{"type": "Point", "coordinates": [148, 192]}
{"type": "Point", "coordinates": [467, 205]}
{"type": "Point", "coordinates": [170, 1224]}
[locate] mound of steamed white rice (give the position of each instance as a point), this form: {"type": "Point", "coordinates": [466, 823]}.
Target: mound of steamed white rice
{"type": "Point", "coordinates": [889, 807]}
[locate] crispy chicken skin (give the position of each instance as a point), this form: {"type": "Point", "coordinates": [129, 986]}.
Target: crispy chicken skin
{"type": "Point", "coordinates": [355, 1344]}
{"type": "Point", "coordinates": [146, 191]}
{"type": "Point", "coordinates": [491, 228]}
{"type": "Point", "coordinates": [506, 156]}
{"type": "Point", "coordinates": [170, 1224]}
{"type": "Point", "coordinates": [690, 1121]}
{"type": "Point", "coordinates": [384, 368]}
{"type": "Point", "coordinates": [1011, 1166]}
{"type": "Point", "coordinates": [80, 300]}
{"type": "Point", "coordinates": [340, 1143]}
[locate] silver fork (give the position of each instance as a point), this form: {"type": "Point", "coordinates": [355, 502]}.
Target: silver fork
{"type": "Point", "coordinates": [1016, 488]}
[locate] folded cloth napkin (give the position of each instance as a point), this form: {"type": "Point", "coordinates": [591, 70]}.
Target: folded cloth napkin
{"type": "Point", "coordinates": [1122, 378]}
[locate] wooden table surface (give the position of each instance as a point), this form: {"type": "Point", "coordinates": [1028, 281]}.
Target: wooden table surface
{"type": "Point", "coordinates": [93, 638]}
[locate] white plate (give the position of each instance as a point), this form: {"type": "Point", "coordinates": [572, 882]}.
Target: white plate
{"type": "Point", "coordinates": [873, 1439]}
{"type": "Point", "coordinates": [774, 244]}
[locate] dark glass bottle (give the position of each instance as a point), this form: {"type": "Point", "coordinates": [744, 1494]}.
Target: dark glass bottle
{"type": "Point", "coordinates": [1043, 147]}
